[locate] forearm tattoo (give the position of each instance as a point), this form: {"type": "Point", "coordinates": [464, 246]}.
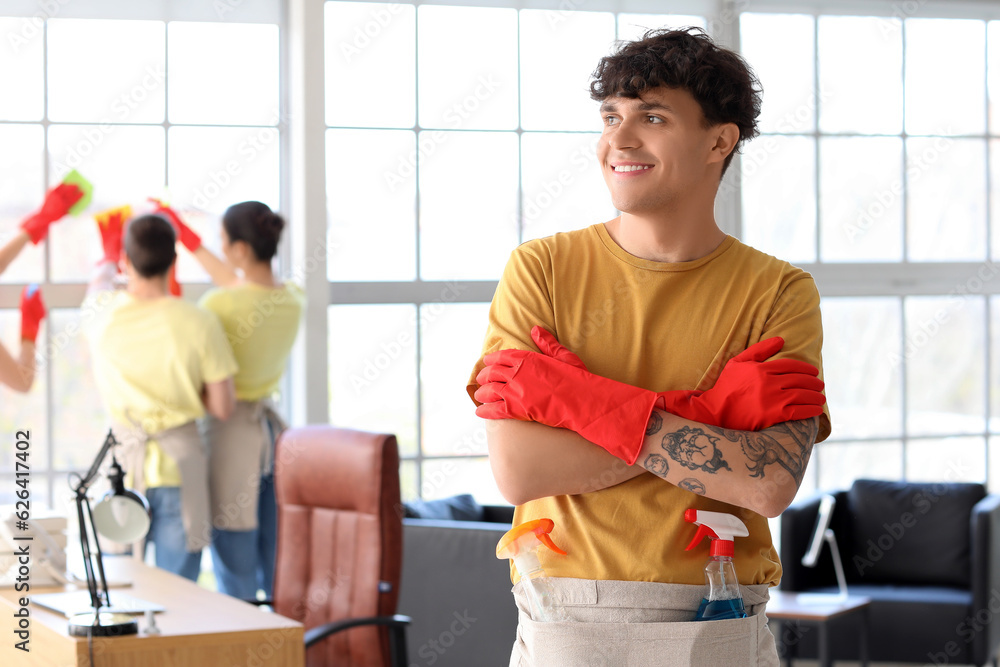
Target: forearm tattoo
{"type": "Point", "coordinates": [788, 445]}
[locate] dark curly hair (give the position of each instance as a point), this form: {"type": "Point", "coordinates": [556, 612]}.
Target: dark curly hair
{"type": "Point", "coordinates": [720, 80]}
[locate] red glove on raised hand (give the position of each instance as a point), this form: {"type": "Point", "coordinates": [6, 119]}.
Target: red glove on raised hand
{"type": "Point", "coordinates": [57, 203]}
{"type": "Point", "coordinates": [111, 223]}
{"type": "Point", "coordinates": [185, 235]}
{"type": "Point", "coordinates": [555, 388]}
{"type": "Point", "coordinates": [32, 312]}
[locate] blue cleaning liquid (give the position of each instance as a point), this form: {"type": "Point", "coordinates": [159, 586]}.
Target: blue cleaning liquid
{"type": "Point", "coordinates": [719, 610]}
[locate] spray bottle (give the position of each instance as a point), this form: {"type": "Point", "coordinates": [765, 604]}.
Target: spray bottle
{"type": "Point", "coordinates": [723, 599]}
{"type": "Point", "coordinates": [521, 543]}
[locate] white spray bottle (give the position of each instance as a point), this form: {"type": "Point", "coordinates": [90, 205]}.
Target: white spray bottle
{"type": "Point", "coordinates": [520, 544]}
{"type": "Point", "coordinates": [723, 599]}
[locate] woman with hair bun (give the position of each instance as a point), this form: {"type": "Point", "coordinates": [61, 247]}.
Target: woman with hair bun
{"type": "Point", "coordinates": [260, 316]}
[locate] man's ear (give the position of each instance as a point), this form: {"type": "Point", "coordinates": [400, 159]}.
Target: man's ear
{"type": "Point", "coordinates": [727, 135]}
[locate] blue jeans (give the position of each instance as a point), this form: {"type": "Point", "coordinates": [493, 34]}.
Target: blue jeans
{"type": "Point", "coordinates": [166, 532]}
{"type": "Point", "coordinates": [244, 559]}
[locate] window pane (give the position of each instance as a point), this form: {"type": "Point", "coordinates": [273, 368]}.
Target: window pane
{"type": "Point", "coordinates": [994, 195]}
{"type": "Point", "coordinates": [561, 184]}
{"type": "Point", "coordinates": [23, 412]}
{"type": "Point", "coordinates": [21, 70]}
{"type": "Point", "coordinates": [779, 198]}
{"type": "Point", "coordinates": [467, 204]}
{"type": "Point", "coordinates": [786, 73]}
{"type": "Point", "coordinates": [22, 191]}
{"type": "Point", "coordinates": [223, 73]}
{"type": "Point", "coordinates": [212, 168]}
{"type": "Point", "coordinates": [840, 463]}
{"type": "Point", "coordinates": [861, 200]}
{"type": "Point", "coordinates": [452, 339]}
{"type": "Point", "coordinates": [373, 370]}
{"type": "Point", "coordinates": [479, 89]}
{"type": "Point", "coordinates": [946, 214]}
{"type": "Point", "coordinates": [408, 486]}
{"type": "Point", "coordinates": [994, 464]}
{"type": "Point", "coordinates": [945, 354]}
{"type": "Point", "coordinates": [944, 86]}
{"type": "Point", "coordinates": [633, 26]}
{"type": "Point", "coordinates": [861, 74]}
{"type": "Point", "coordinates": [449, 477]}
{"type": "Point", "coordinates": [106, 71]}
{"type": "Point", "coordinates": [370, 76]}
{"type": "Point", "coordinates": [865, 397]}
{"type": "Point", "coordinates": [946, 460]}
{"type": "Point", "coordinates": [994, 361]}
{"type": "Point", "coordinates": [371, 189]}
{"type": "Point", "coordinates": [82, 422]}
{"type": "Point", "coordinates": [126, 163]}
{"type": "Point", "coordinates": [994, 74]}
{"type": "Point", "coordinates": [559, 51]}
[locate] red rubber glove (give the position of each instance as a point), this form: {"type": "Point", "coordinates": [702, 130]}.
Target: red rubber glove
{"type": "Point", "coordinates": [175, 287]}
{"type": "Point", "coordinates": [57, 203]}
{"type": "Point", "coordinates": [554, 388]}
{"type": "Point", "coordinates": [188, 238]}
{"type": "Point", "coordinates": [111, 224]}
{"type": "Point", "coordinates": [32, 312]}
{"type": "Point", "coordinates": [753, 393]}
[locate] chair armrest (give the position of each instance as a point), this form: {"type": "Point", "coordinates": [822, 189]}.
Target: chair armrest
{"type": "Point", "coordinates": [397, 623]}
{"type": "Point", "coordinates": [797, 524]}
{"type": "Point", "coordinates": [985, 532]}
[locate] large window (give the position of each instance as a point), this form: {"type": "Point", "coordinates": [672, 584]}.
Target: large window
{"type": "Point", "coordinates": [188, 110]}
{"type": "Point", "coordinates": [451, 132]}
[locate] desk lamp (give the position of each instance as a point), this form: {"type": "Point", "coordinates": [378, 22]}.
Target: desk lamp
{"type": "Point", "coordinates": [120, 516]}
{"type": "Point", "coordinates": [823, 533]}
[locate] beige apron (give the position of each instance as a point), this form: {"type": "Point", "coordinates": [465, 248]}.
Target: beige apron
{"type": "Point", "coordinates": [626, 623]}
{"type": "Point", "coordinates": [240, 451]}
{"type": "Point", "coordinates": [185, 446]}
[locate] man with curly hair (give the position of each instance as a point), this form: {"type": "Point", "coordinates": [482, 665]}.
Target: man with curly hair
{"type": "Point", "coordinates": [690, 377]}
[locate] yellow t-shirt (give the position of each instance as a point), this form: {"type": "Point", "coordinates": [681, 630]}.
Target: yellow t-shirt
{"type": "Point", "coordinates": [661, 326]}
{"type": "Point", "coordinates": [151, 359]}
{"type": "Point", "coordinates": [261, 324]}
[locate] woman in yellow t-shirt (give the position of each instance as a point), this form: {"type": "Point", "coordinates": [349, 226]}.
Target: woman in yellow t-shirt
{"type": "Point", "coordinates": [260, 316]}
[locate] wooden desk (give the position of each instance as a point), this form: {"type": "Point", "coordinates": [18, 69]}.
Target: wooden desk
{"type": "Point", "coordinates": [797, 608]}
{"type": "Point", "coordinates": [199, 628]}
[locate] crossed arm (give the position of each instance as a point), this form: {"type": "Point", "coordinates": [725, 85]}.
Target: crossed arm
{"type": "Point", "coordinates": [758, 470]}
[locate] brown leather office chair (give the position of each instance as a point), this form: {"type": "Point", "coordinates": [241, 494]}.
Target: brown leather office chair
{"type": "Point", "coordinates": [340, 545]}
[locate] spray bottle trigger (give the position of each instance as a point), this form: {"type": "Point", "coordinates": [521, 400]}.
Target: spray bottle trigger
{"type": "Point", "coordinates": [545, 539]}
{"type": "Point", "coordinates": [703, 532]}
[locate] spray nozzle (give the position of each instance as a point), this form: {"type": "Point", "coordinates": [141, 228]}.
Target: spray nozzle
{"type": "Point", "coordinates": [522, 536]}
{"type": "Point", "coordinates": [719, 527]}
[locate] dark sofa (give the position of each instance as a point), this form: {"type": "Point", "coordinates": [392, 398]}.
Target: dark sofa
{"type": "Point", "coordinates": [454, 587]}
{"type": "Point", "coordinates": [928, 556]}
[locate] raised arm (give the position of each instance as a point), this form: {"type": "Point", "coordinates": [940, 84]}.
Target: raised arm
{"type": "Point", "coordinates": [220, 272]}
{"type": "Point", "coordinates": [13, 247]}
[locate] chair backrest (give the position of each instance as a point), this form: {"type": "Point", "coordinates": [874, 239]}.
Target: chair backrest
{"type": "Point", "coordinates": [339, 551]}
